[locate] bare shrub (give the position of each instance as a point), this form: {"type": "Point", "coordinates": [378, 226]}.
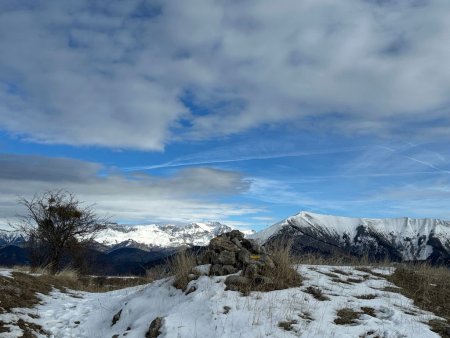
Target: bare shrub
{"type": "Point", "coordinates": [57, 224]}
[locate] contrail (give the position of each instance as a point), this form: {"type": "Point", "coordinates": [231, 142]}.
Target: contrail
{"type": "Point", "coordinates": [177, 163]}
{"type": "Point", "coordinates": [427, 164]}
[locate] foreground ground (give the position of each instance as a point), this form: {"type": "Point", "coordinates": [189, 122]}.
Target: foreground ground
{"type": "Point", "coordinates": [332, 302]}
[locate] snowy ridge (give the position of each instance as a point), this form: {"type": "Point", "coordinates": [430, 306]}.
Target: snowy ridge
{"type": "Point", "coordinates": [168, 235]}
{"type": "Point", "coordinates": [411, 236]}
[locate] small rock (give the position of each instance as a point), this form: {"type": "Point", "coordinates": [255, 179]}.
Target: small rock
{"type": "Point", "coordinates": [237, 242]}
{"type": "Point", "coordinates": [222, 270]}
{"type": "Point", "coordinates": [193, 288]}
{"type": "Point", "coordinates": [229, 269]}
{"type": "Point", "coordinates": [234, 282]}
{"type": "Point", "coordinates": [155, 328]}
{"type": "Point", "coordinates": [116, 317]}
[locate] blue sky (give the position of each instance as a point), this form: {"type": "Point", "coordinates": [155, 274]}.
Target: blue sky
{"type": "Point", "coordinates": [242, 112]}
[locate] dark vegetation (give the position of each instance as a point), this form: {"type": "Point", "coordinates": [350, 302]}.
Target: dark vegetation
{"type": "Point", "coordinates": [58, 226]}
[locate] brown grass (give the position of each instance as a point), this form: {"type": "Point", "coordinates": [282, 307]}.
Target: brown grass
{"type": "Point", "coordinates": [157, 272]}
{"type": "Point", "coordinates": [287, 325]}
{"type": "Point", "coordinates": [283, 275]}
{"type": "Point", "coordinates": [316, 293]}
{"type": "Point", "coordinates": [181, 267]}
{"type": "Point", "coordinates": [429, 288]}
{"type": "Point", "coordinates": [367, 296]}
{"type": "Point", "coordinates": [346, 316]}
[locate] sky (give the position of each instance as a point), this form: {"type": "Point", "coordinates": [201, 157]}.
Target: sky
{"type": "Point", "coordinates": [244, 112]}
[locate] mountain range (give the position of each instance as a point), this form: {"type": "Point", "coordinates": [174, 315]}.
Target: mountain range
{"type": "Point", "coordinates": [396, 239]}
{"type": "Point", "coordinates": [131, 249]}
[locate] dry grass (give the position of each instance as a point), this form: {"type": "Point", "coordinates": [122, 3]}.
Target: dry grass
{"type": "Point", "coordinates": [316, 293]}
{"type": "Point", "coordinates": [157, 272]}
{"type": "Point", "coordinates": [283, 275]}
{"type": "Point", "coordinates": [367, 296]}
{"type": "Point", "coordinates": [346, 316]}
{"type": "Point", "coordinates": [287, 325]}
{"type": "Point", "coordinates": [181, 266]}
{"type": "Point", "coordinates": [429, 287]}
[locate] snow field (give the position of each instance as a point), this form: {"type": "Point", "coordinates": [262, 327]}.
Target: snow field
{"type": "Point", "coordinates": [210, 311]}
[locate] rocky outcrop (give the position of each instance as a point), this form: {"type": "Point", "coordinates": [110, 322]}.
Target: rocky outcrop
{"type": "Point", "coordinates": [231, 253]}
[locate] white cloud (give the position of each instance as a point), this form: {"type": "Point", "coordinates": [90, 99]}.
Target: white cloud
{"type": "Point", "coordinates": [188, 195]}
{"type": "Point", "coordinates": [113, 75]}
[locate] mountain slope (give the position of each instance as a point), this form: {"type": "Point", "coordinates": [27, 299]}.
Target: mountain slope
{"type": "Point", "coordinates": [401, 239]}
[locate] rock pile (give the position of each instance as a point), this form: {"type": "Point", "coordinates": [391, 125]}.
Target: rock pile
{"type": "Point", "coordinates": [230, 253]}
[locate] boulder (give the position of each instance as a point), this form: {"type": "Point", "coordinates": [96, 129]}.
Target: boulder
{"type": "Point", "coordinates": [220, 243]}
{"type": "Point", "coordinates": [226, 258]}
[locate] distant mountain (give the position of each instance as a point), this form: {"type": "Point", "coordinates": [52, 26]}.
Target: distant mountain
{"type": "Point", "coordinates": [8, 237]}
{"type": "Point", "coordinates": [399, 239]}
{"type": "Point", "coordinates": [148, 237]}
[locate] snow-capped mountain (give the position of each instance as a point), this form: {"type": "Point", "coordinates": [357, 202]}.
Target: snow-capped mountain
{"type": "Point", "coordinates": [157, 236]}
{"type": "Point", "coordinates": [405, 239]}
{"type": "Point", "coordinates": [8, 237]}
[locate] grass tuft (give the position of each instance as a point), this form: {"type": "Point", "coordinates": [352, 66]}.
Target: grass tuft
{"type": "Point", "coordinates": [316, 293]}
{"type": "Point", "coordinates": [283, 275]}
{"type": "Point", "coordinates": [346, 316]}
{"type": "Point", "coordinates": [181, 266]}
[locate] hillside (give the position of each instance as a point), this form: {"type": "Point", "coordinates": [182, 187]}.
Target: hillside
{"type": "Point", "coordinates": [344, 302]}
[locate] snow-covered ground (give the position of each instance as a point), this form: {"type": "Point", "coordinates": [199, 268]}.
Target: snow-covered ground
{"type": "Point", "coordinates": [210, 311]}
